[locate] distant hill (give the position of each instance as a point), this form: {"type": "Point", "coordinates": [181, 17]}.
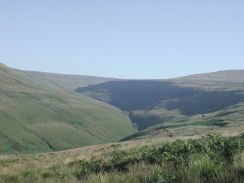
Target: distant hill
{"type": "Point", "coordinates": [154, 102]}
{"type": "Point", "coordinates": [45, 118]}
{"type": "Point", "coordinates": [225, 76]}
{"type": "Point", "coordinates": [63, 81]}
{"type": "Point", "coordinates": [228, 121]}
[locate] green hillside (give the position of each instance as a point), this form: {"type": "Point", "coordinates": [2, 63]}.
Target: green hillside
{"type": "Point", "coordinates": [227, 121]}
{"type": "Point", "coordinates": [224, 76]}
{"type": "Point", "coordinates": [41, 118]}
{"type": "Point", "coordinates": [63, 81]}
{"type": "Point", "coordinates": [181, 100]}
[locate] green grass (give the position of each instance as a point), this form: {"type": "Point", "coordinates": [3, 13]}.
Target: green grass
{"type": "Point", "coordinates": [211, 158]}
{"type": "Point", "coordinates": [211, 122]}
{"type": "Point", "coordinates": [38, 118]}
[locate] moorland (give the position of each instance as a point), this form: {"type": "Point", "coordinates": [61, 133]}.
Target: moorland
{"type": "Point", "coordinates": [67, 128]}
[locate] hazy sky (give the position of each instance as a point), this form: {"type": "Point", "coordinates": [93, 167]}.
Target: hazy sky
{"type": "Point", "coordinates": [122, 38]}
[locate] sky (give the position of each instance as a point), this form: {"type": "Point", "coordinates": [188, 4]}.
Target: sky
{"type": "Point", "coordinates": [130, 39]}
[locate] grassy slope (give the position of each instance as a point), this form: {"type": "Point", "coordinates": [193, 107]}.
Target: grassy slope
{"type": "Point", "coordinates": [224, 76]}
{"type": "Point", "coordinates": [68, 82]}
{"type": "Point", "coordinates": [229, 120]}
{"type": "Point", "coordinates": [36, 117]}
{"type": "Point", "coordinates": [180, 100]}
{"type": "Point", "coordinates": [220, 81]}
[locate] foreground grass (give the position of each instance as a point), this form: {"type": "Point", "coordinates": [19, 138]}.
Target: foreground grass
{"type": "Point", "coordinates": [211, 158]}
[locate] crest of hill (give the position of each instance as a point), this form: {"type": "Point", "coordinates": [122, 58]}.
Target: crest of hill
{"type": "Point", "coordinates": [40, 118]}
{"type": "Point", "coordinates": [221, 80]}
{"type": "Point", "coordinates": [228, 75]}
{"type": "Point", "coordinates": [63, 81]}
{"type": "Point", "coordinates": [10, 78]}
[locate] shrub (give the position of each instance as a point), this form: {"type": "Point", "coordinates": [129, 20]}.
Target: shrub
{"type": "Point", "coordinates": [217, 152]}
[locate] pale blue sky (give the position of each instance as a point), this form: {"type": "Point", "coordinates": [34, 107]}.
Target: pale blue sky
{"type": "Point", "coordinates": [122, 38]}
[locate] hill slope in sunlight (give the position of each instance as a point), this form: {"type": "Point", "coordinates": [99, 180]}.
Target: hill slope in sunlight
{"type": "Point", "coordinates": [42, 118]}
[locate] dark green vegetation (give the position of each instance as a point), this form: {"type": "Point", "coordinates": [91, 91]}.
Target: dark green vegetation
{"type": "Point", "coordinates": [211, 158]}
{"type": "Point", "coordinates": [191, 101]}
{"type": "Point", "coordinates": [37, 118]}
{"type": "Point", "coordinates": [200, 160]}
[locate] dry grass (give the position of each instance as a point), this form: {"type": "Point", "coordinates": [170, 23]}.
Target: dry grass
{"type": "Point", "coordinates": [53, 167]}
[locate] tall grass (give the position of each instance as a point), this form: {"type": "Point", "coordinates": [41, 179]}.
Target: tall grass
{"type": "Point", "coordinates": [211, 158]}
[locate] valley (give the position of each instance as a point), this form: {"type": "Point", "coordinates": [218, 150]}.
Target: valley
{"type": "Point", "coordinates": [190, 103]}
{"type": "Point", "coordinates": [59, 128]}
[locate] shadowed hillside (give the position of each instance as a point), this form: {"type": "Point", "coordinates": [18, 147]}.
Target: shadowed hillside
{"type": "Point", "coordinates": [151, 102]}
{"type": "Point", "coordinates": [40, 118]}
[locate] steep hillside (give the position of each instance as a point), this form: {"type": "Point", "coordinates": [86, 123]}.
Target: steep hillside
{"type": "Point", "coordinates": [151, 102]}
{"type": "Point", "coordinates": [40, 118]}
{"type": "Point", "coordinates": [68, 82]}
{"type": "Point", "coordinates": [227, 121]}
